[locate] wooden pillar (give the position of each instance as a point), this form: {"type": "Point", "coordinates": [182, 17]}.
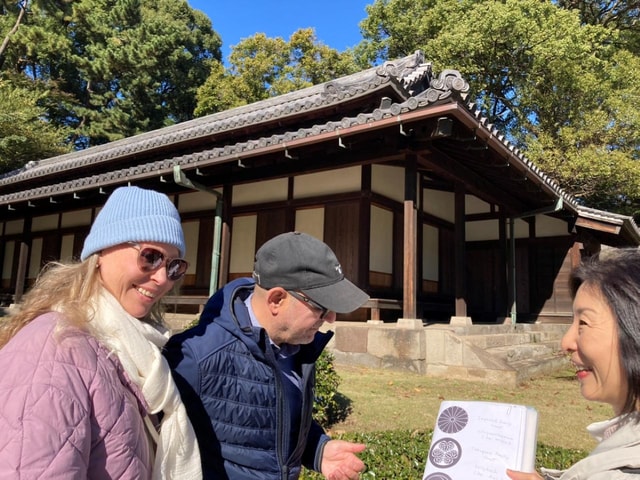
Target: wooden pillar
{"type": "Point", "coordinates": [576, 254]}
{"type": "Point", "coordinates": [23, 260]}
{"type": "Point", "coordinates": [460, 264]}
{"type": "Point", "coordinates": [225, 240]}
{"type": "Point", "coordinates": [502, 284]}
{"type": "Point", "coordinates": [364, 242]}
{"type": "Point", "coordinates": [409, 279]}
{"type": "Point", "coordinates": [410, 240]}
{"type": "Point", "coordinates": [21, 274]}
{"type": "Point", "coordinates": [3, 246]}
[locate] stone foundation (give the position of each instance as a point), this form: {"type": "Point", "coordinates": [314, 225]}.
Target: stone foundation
{"type": "Point", "coordinates": [463, 351]}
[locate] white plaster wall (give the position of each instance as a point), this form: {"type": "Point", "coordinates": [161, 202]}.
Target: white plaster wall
{"type": "Point", "coordinates": [76, 218]}
{"type": "Point", "coordinates": [550, 227]}
{"type": "Point", "coordinates": [439, 204]}
{"type": "Point", "coordinates": [381, 240]}
{"type": "Point", "coordinates": [521, 229]}
{"type": "Point", "coordinates": [311, 221]}
{"type": "Point", "coordinates": [490, 229]}
{"type": "Point", "coordinates": [327, 183]}
{"type": "Point", "coordinates": [430, 260]}
{"type": "Point", "coordinates": [9, 253]}
{"type": "Point", "coordinates": [482, 230]}
{"type": "Point", "coordinates": [260, 192]}
{"type": "Point", "coordinates": [243, 244]}
{"type": "Point", "coordinates": [14, 226]}
{"type": "Point", "coordinates": [66, 249]}
{"type": "Point", "coordinates": [191, 235]}
{"type": "Point", "coordinates": [473, 204]}
{"type": "Point", "coordinates": [36, 258]}
{"type": "Point", "coordinates": [46, 222]}
{"type": "Point", "coordinates": [388, 181]}
{"type": "Point", "coordinates": [196, 201]}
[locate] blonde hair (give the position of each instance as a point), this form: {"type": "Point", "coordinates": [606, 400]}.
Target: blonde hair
{"type": "Point", "coordinates": [68, 288]}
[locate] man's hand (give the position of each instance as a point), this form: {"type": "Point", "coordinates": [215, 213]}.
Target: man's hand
{"type": "Point", "coordinates": [513, 475]}
{"type": "Point", "coordinates": [339, 460]}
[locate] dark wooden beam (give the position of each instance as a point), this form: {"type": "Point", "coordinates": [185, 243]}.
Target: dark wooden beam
{"type": "Point", "coordinates": [454, 171]}
{"type": "Point", "coordinates": [460, 252]}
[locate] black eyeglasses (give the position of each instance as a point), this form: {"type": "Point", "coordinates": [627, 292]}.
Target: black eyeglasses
{"type": "Point", "coordinates": [150, 260]}
{"type": "Point", "coordinates": [303, 298]}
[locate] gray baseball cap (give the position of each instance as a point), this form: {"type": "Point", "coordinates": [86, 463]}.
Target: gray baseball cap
{"type": "Point", "coordinates": [297, 261]}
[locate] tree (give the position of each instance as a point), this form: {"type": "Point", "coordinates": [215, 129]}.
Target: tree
{"type": "Point", "coordinates": [25, 136]}
{"type": "Point", "coordinates": [622, 16]}
{"type": "Point", "coordinates": [262, 67]}
{"type": "Point", "coordinates": [561, 88]}
{"type": "Point", "coordinates": [617, 14]}
{"type": "Point", "coordinates": [221, 91]}
{"type": "Point", "coordinates": [596, 155]}
{"type": "Point", "coordinates": [22, 9]}
{"type": "Point", "coordinates": [126, 66]}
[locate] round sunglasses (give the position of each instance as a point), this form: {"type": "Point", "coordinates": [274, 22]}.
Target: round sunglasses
{"type": "Point", "coordinates": [150, 260]}
{"type": "Point", "coordinates": [315, 305]}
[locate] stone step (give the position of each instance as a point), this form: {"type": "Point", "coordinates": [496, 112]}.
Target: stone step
{"type": "Point", "coordinates": [494, 340]}
{"type": "Point", "coordinates": [515, 353]}
{"type": "Point", "coordinates": [528, 351]}
{"type": "Point", "coordinates": [504, 354]}
{"type": "Point", "coordinates": [484, 329]}
{"type": "Point", "coordinates": [534, 367]}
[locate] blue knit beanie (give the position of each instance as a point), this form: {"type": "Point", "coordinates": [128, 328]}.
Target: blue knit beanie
{"type": "Point", "coordinates": [133, 214]}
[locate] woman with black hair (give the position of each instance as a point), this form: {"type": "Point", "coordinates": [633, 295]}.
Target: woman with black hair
{"type": "Point", "coordinates": [603, 342]}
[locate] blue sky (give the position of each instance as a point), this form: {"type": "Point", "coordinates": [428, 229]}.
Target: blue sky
{"type": "Point", "coordinates": [335, 21]}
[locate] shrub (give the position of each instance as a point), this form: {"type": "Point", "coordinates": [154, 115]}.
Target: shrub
{"type": "Point", "coordinates": [327, 408]}
{"type": "Point", "coordinates": [402, 455]}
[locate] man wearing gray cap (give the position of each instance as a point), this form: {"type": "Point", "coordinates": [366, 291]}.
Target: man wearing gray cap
{"type": "Point", "coordinates": [246, 371]}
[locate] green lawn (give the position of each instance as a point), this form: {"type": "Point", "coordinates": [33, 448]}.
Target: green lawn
{"type": "Point", "coordinates": [394, 414]}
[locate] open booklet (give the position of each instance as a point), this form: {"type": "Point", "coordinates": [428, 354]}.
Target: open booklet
{"type": "Point", "coordinates": [475, 440]}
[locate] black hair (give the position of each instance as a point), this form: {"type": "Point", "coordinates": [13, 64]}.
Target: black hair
{"type": "Point", "coordinates": [615, 273]}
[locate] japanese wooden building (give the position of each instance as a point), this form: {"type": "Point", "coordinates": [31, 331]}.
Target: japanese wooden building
{"type": "Point", "coordinates": [428, 207]}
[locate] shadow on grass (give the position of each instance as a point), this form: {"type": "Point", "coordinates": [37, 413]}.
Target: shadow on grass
{"type": "Point", "coordinates": [340, 410]}
{"type": "Point", "coordinates": [564, 376]}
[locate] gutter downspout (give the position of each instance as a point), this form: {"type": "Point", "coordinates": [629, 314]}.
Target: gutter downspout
{"type": "Point", "coordinates": [512, 244]}
{"type": "Point", "coordinates": [181, 179]}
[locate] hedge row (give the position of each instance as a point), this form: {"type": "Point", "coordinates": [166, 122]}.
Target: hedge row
{"type": "Point", "coordinates": [400, 455]}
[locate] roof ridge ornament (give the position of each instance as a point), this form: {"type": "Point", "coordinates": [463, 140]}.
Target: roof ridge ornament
{"type": "Point", "coordinates": [448, 83]}
{"type": "Point", "coordinates": [401, 67]}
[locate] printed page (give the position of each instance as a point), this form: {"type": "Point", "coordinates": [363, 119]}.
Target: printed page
{"type": "Point", "coordinates": [530, 441]}
{"type": "Point", "coordinates": [480, 440]}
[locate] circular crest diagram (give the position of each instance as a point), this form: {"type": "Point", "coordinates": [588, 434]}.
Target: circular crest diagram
{"type": "Point", "coordinates": [445, 453]}
{"type": "Point", "coordinates": [438, 476]}
{"type": "Point", "coordinates": [453, 419]}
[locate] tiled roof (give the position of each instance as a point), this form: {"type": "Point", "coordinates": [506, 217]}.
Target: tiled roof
{"type": "Point", "coordinates": [594, 214]}
{"type": "Point", "coordinates": [405, 75]}
{"type": "Point", "coordinates": [408, 75]}
{"type": "Point", "coordinates": [623, 221]}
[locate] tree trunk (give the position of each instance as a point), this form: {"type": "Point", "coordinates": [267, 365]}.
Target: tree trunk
{"type": "Point", "coordinates": [5, 43]}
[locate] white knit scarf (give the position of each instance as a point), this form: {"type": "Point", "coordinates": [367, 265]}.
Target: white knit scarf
{"type": "Point", "coordinates": [137, 345]}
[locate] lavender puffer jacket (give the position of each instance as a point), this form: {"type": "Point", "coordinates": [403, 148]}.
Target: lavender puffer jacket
{"type": "Point", "coordinates": [67, 409]}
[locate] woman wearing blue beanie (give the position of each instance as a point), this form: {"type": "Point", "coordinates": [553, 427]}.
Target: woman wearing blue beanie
{"type": "Point", "coordinates": [84, 390]}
